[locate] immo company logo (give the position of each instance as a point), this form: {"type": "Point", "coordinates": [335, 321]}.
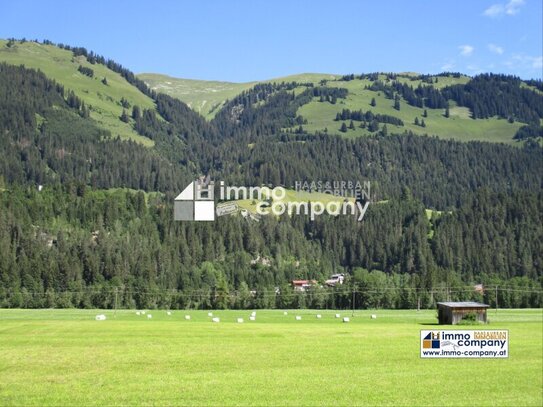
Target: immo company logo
{"type": "Point", "coordinates": [196, 202]}
{"type": "Point", "coordinates": [464, 344]}
{"type": "Point", "coordinates": [431, 341]}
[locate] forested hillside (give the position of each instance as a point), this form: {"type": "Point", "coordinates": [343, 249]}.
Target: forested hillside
{"type": "Point", "coordinates": [87, 216]}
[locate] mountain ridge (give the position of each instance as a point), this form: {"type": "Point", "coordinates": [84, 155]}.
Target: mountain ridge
{"type": "Point", "coordinates": [109, 103]}
{"type": "Point", "coordinates": [370, 93]}
{"type": "Point", "coordinates": [208, 96]}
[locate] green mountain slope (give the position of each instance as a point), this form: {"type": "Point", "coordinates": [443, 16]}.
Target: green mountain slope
{"type": "Point", "coordinates": [459, 126]}
{"type": "Point", "coordinates": [207, 97]}
{"type": "Point", "coordinates": [104, 100]}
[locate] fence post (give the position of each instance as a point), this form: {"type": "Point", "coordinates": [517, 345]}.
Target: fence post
{"type": "Point", "coordinates": [496, 299]}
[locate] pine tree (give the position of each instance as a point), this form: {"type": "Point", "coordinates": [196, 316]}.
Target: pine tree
{"type": "Point", "coordinates": [447, 113]}
{"type": "Point", "coordinates": [425, 113]}
{"type": "Point", "coordinates": [422, 123]}
{"type": "Point", "coordinates": [84, 111]}
{"type": "Point", "coordinates": [124, 116]}
{"type": "Point", "coordinates": [373, 102]}
{"type": "Point", "coordinates": [373, 126]}
{"type": "Point", "coordinates": [397, 102]}
{"type": "Point", "coordinates": [416, 121]}
{"type": "Point", "coordinates": [125, 103]}
{"type": "Point", "coordinates": [351, 125]}
{"type": "Point", "coordinates": [136, 113]}
{"type": "Point", "coordinates": [343, 128]}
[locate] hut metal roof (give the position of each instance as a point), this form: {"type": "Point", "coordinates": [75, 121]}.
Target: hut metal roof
{"type": "Point", "coordinates": [464, 304]}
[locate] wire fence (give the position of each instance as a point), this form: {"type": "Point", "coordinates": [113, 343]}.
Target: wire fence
{"type": "Point", "coordinates": [339, 297]}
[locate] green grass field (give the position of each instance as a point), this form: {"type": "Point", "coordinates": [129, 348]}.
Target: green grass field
{"type": "Point", "coordinates": [105, 100]}
{"type": "Point", "coordinates": [458, 126]}
{"type": "Point", "coordinates": [65, 357]}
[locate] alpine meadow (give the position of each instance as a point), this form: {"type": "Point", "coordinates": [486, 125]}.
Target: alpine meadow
{"type": "Point", "coordinates": [362, 208]}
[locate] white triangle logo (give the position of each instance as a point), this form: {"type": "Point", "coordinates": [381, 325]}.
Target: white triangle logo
{"type": "Point", "coordinates": [187, 194]}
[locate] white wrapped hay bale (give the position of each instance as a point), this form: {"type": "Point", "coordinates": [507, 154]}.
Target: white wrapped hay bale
{"type": "Point", "coordinates": [346, 319]}
{"type": "Point", "coordinates": [168, 313]}
{"type": "Point", "coordinates": [149, 316]}
{"type": "Point", "coordinates": [373, 316]}
{"type": "Point", "coordinates": [240, 320]}
{"type": "Point", "coordinates": [209, 314]}
{"type": "Point", "coordinates": [138, 313]}
{"type": "Point", "coordinates": [100, 317]}
{"type": "Point", "coordinates": [338, 316]}
{"type": "Point", "coordinates": [142, 312]}
{"type": "Point", "coordinates": [285, 313]}
{"type": "Point", "coordinates": [251, 318]}
{"type": "Point", "coordinates": [216, 319]}
{"type": "Point", "coordinates": [187, 317]}
{"type": "Point", "coordinates": [298, 318]}
{"type": "Point", "coordinates": [319, 316]}
{"type": "Point", "coordinates": [253, 314]}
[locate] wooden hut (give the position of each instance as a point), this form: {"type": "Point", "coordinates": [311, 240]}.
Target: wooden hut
{"type": "Point", "coordinates": [451, 313]}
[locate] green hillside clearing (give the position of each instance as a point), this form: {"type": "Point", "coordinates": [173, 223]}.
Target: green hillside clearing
{"type": "Point", "coordinates": [104, 100]}
{"type": "Point", "coordinates": [459, 126]}
{"type": "Point", "coordinates": [292, 196]}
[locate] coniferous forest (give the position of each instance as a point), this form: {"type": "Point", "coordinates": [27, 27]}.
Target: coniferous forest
{"type": "Point", "coordinates": [86, 218]}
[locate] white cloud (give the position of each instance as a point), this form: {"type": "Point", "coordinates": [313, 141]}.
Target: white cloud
{"type": "Point", "coordinates": [537, 62]}
{"type": "Point", "coordinates": [494, 10]}
{"type": "Point", "coordinates": [496, 49]}
{"type": "Point", "coordinates": [448, 66]}
{"type": "Point", "coordinates": [466, 50]}
{"type": "Point", "coordinates": [499, 9]}
{"type": "Point", "coordinates": [513, 7]}
{"type": "Point", "coordinates": [525, 63]}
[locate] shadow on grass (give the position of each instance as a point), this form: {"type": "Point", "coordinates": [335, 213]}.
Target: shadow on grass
{"type": "Point", "coordinates": [429, 323]}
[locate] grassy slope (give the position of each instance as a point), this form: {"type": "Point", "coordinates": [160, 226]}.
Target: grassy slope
{"type": "Point", "coordinates": [293, 196]}
{"type": "Point", "coordinates": [459, 126]}
{"type": "Point", "coordinates": [64, 357]}
{"type": "Point", "coordinates": [61, 66]}
{"type": "Point", "coordinates": [206, 97]}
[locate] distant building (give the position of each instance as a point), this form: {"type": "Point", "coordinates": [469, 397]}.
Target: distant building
{"type": "Point", "coordinates": [479, 288]}
{"type": "Point", "coordinates": [451, 313]}
{"type": "Point", "coordinates": [335, 279]}
{"type": "Point", "coordinates": [302, 285]}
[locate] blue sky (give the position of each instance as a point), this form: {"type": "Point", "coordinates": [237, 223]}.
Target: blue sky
{"type": "Point", "coordinates": [250, 40]}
